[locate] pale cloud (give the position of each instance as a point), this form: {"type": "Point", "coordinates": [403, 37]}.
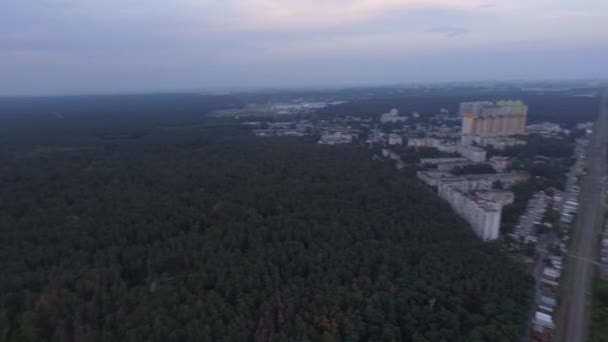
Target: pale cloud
{"type": "Point", "coordinates": [232, 42]}
{"type": "Point", "coordinates": [449, 31]}
{"type": "Point", "coordinates": [29, 55]}
{"type": "Point", "coordinates": [314, 14]}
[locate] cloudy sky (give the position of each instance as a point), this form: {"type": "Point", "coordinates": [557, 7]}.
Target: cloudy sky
{"type": "Point", "coordinates": [83, 46]}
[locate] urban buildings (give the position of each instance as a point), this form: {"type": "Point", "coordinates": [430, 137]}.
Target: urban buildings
{"type": "Point", "coordinates": [482, 214]}
{"type": "Point", "coordinates": [437, 161]}
{"type": "Point", "coordinates": [452, 165]}
{"type": "Point", "coordinates": [498, 143]}
{"type": "Point", "coordinates": [395, 139]}
{"type": "Point", "coordinates": [448, 147]}
{"type": "Point", "coordinates": [423, 142]}
{"type": "Point", "coordinates": [545, 127]}
{"type": "Point", "coordinates": [392, 117]}
{"type": "Point", "coordinates": [439, 144]}
{"type": "Point", "coordinates": [432, 178]}
{"type": "Point", "coordinates": [473, 153]}
{"type": "Point", "coordinates": [503, 197]}
{"type": "Point", "coordinates": [474, 197]}
{"type": "Point", "coordinates": [336, 138]}
{"type": "Point", "coordinates": [386, 153]}
{"type": "Point", "coordinates": [473, 107]}
{"type": "Point", "coordinates": [587, 126]}
{"type": "Point", "coordinates": [487, 119]}
{"type": "Point", "coordinates": [500, 163]}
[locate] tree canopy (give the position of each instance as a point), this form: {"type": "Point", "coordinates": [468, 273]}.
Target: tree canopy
{"type": "Point", "coordinates": [204, 232]}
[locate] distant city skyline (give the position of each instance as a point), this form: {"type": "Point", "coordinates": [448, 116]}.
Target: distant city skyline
{"type": "Point", "coordinates": [73, 47]}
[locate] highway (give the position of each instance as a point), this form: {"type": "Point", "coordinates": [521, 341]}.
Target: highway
{"type": "Point", "coordinates": [580, 268]}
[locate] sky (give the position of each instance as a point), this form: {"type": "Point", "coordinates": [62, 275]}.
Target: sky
{"type": "Point", "coordinates": [91, 46]}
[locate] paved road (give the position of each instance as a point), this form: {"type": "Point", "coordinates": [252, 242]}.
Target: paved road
{"type": "Point", "coordinates": [585, 233]}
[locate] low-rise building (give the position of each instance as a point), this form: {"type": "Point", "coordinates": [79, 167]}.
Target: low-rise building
{"type": "Point", "coordinates": [500, 163]}
{"type": "Point", "coordinates": [452, 165]}
{"type": "Point", "coordinates": [423, 142]}
{"type": "Point", "coordinates": [437, 161]}
{"type": "Point", "coordinates": [545, 127]}
{"type": "Point", "coordinates": [336, 138]}
{"type": "Point", "coordinates": [498, 143]}
{"type": "Point", "coordinates": [395, 139]}
{"type": "Point", "coordinates": [392, 117]}
{"type": "Point", "coordinates": [473, 153]}
{"type": "Point", "coordinates": [447, 147]}
{"type": "Point", "coordinates": [305, 127]}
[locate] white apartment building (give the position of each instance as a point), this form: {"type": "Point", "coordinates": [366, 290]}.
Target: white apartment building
{"type": "Point", "coordinates": [483, 215]}
{"type": "Point", "coordinates": [473, 198]}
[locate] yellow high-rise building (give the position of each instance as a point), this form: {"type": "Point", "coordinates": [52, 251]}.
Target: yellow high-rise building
{"type": "Point", "coordinates": [487, 119]}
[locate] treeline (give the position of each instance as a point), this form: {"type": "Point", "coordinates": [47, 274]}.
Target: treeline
{"type": "Point", "coordinates": [599, 312]}
{"type": "Point", "coordinates": [567, 110]}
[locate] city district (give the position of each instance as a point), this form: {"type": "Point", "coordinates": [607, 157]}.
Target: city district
{"type": "Point", "coordinates": [484, 161]}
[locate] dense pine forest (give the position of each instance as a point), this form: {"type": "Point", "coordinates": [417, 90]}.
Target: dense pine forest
{"type": "Point", "coordinates": [127, 231]}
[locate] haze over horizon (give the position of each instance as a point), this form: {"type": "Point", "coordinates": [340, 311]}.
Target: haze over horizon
{"type": "Point", "coordinates": [70, 46]}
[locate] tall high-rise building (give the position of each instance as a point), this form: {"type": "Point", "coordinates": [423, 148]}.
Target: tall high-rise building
{"type": "Point", "coordinates": [487, 119]}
